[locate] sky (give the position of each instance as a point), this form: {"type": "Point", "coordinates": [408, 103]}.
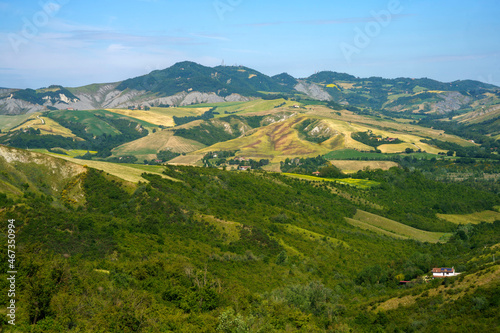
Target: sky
{"type": "Point", "coordinates": [75, 43]}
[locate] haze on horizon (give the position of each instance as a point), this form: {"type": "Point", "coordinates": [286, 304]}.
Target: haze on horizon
{"type": "Point", "coordinates": [74, 43]}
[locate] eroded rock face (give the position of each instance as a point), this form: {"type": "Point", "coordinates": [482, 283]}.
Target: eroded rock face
{"type": "Point", "coordinates": [109, 97]}
{"type": "Point", "coordinates": [63, 168]}
{"type": "Point", "coordinates": [313, 90]}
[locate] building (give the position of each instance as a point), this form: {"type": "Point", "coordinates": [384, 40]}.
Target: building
{"type": "Point", "coordinates": [443, 272]}
{"type": "Point", "coordinates": [245, 167]}
{"type": "Point", "coordinates": [316, 173]}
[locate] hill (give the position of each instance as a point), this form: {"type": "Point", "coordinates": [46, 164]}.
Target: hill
{"type": "Point", "coordinates": [190, 253]}
{"type": "Point", "coordinates": [187, 83]}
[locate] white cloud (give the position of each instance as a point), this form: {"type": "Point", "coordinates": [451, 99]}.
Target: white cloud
{"type": "Point", "coordinates": [117, 48]}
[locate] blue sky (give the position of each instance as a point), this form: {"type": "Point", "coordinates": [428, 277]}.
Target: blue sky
{"type": "Point", "coordinates": [75, 43]}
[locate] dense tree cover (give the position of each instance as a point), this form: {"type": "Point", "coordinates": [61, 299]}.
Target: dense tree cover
{"type": "Point", "coordinates": [211, 132]}
{"type": "Point", "coordinates": [36, 97]}
{"type": "Point", "coordinates": [187, 76]}
{"type": "Point", "coordinates": [303, 165]}
{"type": "Point", "coordinates": [411, 198]}
{"type": "Point", "coordinates": [221, 251]}
{"type": "Point", "coordinates": [370, 139]}
{"type": "Point", "coordinates": [184, 120]}
{"type": "Point", "coordinates": [127, 130]}
{"type": "Point", "coordinates": [304, 128]}
{"type": "Point", "coordinates": [166, 155]}
{"type": "Point", "coordinates": [32, 138]}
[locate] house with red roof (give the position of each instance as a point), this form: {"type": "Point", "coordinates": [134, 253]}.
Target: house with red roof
{"type": "Point", "coordinates": [443, 272]}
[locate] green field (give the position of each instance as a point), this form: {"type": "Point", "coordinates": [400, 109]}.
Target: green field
{"type": "Point", "coordinates": [389, 227]}
{"type": "Point", "coordinates": [95, 121]}
{"type": "Point", "coordinates": [69, 152]}
{"type": "Point", "coordinates": [254, 106]}
{"type": "Point", "coordinates": [9, 122]}
{"type": "Point", "coordinates": [351, 154]}
{"type": "Point", "coordinates": [362, 183]}
{"type": "Point", "coordinates": [128, 172]}
{"type": "Point", "coordinates": [474, 218]}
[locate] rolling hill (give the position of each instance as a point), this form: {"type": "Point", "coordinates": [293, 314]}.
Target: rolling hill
{"type": "Point", "coordinates": [187, 83]}
{"type": "Point", "coordinates": [146, 251]}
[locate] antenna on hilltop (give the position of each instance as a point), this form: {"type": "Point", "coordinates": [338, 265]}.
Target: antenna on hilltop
{"type": "Point", "coordinates": [222, 64]}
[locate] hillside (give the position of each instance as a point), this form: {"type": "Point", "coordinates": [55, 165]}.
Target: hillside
{"type": "Point", "coordinates": [190, 253]}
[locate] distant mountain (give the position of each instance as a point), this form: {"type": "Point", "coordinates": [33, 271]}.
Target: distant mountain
{"type": "Point", "coordinates": [286, 79]}
{"type": "Point", "coordinates": [187, 83]}
{"type": "Point", "coordinates": [189, 76]}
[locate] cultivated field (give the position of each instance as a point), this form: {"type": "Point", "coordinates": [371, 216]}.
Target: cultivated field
{"type": "Point", "coordinates": [186, 159]}
{"type": "Point", "coordinates": [398, 229]}
{"type": "Point", "coordinates": [128, 172]}
{"type": "Point", "coordinates": [148, 146]}
{"type": "Point", "coordinates": [160, 116]}
{"type": "Point", "coordinates": [46, 126]}
{"type": "Point", "coordinates": [355, 166]}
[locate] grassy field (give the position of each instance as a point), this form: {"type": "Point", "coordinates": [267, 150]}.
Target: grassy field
{"type": "Point", "coordinates": [474, 218]}
{"type": "Point", "coordinates": [383, 225]}
{"type": "Point", "coordinates": [160, 116]}
{"type": "Point", "coordinates": [393, 128]}
{"type": "Point", "coordinates": [367, 226]}
{"type": "Point", "coordinates": [46, 126]}
{"type": "Point", "coordinates": [186, 159]}
{"type": "Point", "coordinates": [313, 236]}
{"type": "Point", "coordinates": [362, 183]}
{"type": "Point", "coordinates": [128, 172]}
{"type": "Point", "coordinates": [69, 153]}
{"type": "Point", "coordinates": [355, 166]}
{"type": "Point", "coordinates": [255, 106]}
{"type": "Point", "coordinates": [147, 147]}
{"type": "Point", "coordinates": [9, 122]}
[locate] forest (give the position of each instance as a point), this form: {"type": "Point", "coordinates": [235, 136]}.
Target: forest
{"type": "Point", "coordinates": [209, 250]}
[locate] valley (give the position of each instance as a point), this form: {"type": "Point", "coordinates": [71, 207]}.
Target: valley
{"type": "Point", "coordinates": [200, 199]}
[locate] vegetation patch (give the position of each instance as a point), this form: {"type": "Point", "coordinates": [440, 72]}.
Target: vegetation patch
{"type": "Point", "coordinates": [398, 228]}
{"type": "Point", "coordinates": [474, 218]}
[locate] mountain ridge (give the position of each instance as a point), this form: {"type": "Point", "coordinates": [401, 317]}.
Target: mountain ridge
{"type": "Point", "coordinates": [186, 83]}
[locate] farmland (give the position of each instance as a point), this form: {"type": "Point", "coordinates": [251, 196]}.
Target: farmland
{"type": "Point", "coordinates": [160, 116]}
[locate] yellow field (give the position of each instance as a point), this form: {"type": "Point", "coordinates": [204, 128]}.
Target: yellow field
{"type": "Point", "coordinates": [186, 159]}
{"type": "Point", "coordinates": [474, 218]}
{"type": "Point", "coordinates": [160, 116]}
{"type": "Point", "coordinates": [355, 166]}
{"type": "Point", "coordinates": [148, 146]}
{"type": "Point", "coordinates": [255, 106]}
{"type": "Point", "coordinates": [128, 172]}
{"type": "Point", "coordinates": [398, 229]}
{"type": "Point", "coordinates": [70, 152]}
{"type": "Point", "coordinates": [46, 126]}
{"type": "Point", "coordinates": [278, 140]}
{"type": "Point", "coordinates": [363, 183]}
{"type": "Point", "coordinates": [401, 129]}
